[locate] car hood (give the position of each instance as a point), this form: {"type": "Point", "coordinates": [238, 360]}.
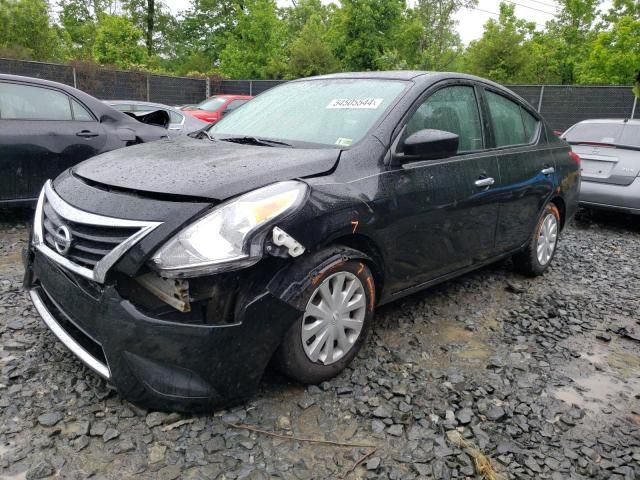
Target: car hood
{"type": "Point", "coordinates": [202, 168]}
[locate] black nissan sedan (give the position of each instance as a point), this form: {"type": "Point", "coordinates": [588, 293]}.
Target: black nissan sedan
{"type": "Point", "coordinates": [179, 270]}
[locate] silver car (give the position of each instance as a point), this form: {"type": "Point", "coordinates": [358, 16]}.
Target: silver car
{"type": "Point", "coordinates": [610, 153]}
{"type": "Point", "coordinates": [179, 123]}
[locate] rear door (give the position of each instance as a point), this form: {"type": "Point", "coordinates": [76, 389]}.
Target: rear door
{"type": "Point", "coordinates": [601, 146]}
{"type": "Point", "coordinates": [43, 131]}
{"type": "Point", "coordinates": [527, 168]}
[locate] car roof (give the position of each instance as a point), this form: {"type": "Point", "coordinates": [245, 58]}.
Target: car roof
{"type": "Point", "coordinates": [618, 121]}
{"type": "Point", "coordinates": [140, 102]}
{"type": "Point", "coordinates": [235, 97]}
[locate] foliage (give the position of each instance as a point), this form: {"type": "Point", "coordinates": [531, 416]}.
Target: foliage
{"type": "Point", "coordinates": [257, 39]}
{"type": "Point", "coordinates": [26, 30]}
{"type": "Point", "coordinates": [501, 53]}
{"type": "Point", "coordinates": [309, 52]}
{"type": "Point", "coordinates": [255, 47]}
{"type": "Point", "coordinates": [118, 42]}
{"type": "Point", "coordinates": [439, 42]}
{"type": "Point", "coordinates": [364, 30]}
{"type": "Point", "coordinates": [614, 55]}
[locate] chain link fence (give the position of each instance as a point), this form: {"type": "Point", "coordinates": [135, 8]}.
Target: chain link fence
{"type": "Point", "coordinates": [561, 105]}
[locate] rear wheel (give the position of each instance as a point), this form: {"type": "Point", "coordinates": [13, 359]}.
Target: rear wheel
{"type": "Point", "coordinates": [539, 252]}
{"type": "Point", "coordinates": [329, 334]}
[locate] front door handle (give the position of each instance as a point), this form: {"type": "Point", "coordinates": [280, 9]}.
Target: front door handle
{"type": "Point", "coordinates": [485, 182]}
{"type": "Point", "coordinates": [86, 134]}
{"type": "Point", "coordinates": [548, 170]}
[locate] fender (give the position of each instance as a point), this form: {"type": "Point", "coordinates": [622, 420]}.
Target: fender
{"type": "Point", "coordinates": [290, 282]}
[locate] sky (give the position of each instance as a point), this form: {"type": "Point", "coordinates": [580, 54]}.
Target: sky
{"type": "Point", "coordinates": [470, 22]}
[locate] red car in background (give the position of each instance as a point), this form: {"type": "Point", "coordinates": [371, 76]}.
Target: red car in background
{"type": "Point", "coordinates": [215, 107]}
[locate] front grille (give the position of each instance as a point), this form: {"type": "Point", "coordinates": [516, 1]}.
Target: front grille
{"type": "Point", "coordinates": [90, 243]}
{"type": "Point", "coordinates": [82, 242]}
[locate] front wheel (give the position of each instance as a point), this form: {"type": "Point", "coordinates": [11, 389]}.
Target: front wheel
{"type": "Point", "coordinates": [339, 309]}
{"type": "Point", "coordinates": [537, 255]}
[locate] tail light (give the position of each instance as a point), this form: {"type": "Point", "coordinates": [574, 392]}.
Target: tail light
{"type": "Point", "coordinates": [558, 133]}
{"type": "Point", "coordinates": [575, 157]}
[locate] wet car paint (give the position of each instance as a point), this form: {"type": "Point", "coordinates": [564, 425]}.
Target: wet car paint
{"type": "Point", "coordinates": [32, 151]}
{"type": "Point", "coordinates": [415, 224]}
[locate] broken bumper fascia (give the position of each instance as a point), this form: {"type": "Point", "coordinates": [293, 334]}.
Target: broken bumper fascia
{"type": "Point", "coordinates": [155, 363]}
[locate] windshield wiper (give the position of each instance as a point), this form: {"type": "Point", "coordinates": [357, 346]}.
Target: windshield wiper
{"type": "Point", "coordinates": [255, 141]}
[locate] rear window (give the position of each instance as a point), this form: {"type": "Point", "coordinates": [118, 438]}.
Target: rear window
{"type": "Point", "coordinates": [212, 104]}
{"type": "Point", "coordinates": [611, 133]}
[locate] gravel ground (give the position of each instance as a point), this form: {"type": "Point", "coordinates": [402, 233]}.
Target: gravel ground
{"type": "Point", "coordinates": [492, 372]}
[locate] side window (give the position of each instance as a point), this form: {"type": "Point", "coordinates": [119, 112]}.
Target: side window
{"type": "Point", "coordinates": [80, 113]}
{"type": "Point", "coordinates": [26, 102]}
{"type": "Point", "coordinates": [174, 117]}
{"type": "Point", "coordinates": [506, 120]}
{"type": "Point", "coordinates": [452, 109]}
{"type": "Point", "coordinates": [530, 125]}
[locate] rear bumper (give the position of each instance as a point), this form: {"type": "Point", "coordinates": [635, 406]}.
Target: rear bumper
{"type": "Point", "coordinates": [157, 363]}
{"type": "Point", "coordinates": [624, 198]}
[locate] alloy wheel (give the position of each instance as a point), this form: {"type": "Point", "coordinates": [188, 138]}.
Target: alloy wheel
{"type": "Point", "coordinates": [547, 239]}
{"type": "Point", "coordinates": [333, 318]}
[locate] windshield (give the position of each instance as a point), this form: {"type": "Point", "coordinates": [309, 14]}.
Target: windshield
{"type": "Point", "coordinates": [336, 112]}
{"type": "Point", "coordinates": [211, 104]}
{"type": "Point", "coordinates": [623, 134]}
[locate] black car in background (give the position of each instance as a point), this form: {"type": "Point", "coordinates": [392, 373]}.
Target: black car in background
{"type": "Point", "coordinates": [178, 270]}
{"type": "Point", "coordinates": [47, 127]}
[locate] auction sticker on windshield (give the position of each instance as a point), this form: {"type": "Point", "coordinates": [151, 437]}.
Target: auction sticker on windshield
{"type": "Point", "coordinates": [371, 103]}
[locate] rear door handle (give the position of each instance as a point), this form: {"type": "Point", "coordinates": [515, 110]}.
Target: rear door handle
{"type": "Point", "coordinates": [485, 182]}
{"type": "Point", "coordinates": [548, 170]}
{"type": "Point", "coordinates": [86, 134]}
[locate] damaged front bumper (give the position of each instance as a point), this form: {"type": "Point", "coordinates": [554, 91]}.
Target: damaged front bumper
{"type": "Point", "coordinates": [155, 362]}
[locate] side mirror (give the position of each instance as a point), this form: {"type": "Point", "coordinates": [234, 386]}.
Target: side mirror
{"type": "Point", "coordinates": [429, 145]}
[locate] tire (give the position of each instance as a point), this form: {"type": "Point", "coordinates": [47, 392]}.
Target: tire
{"type": "Point", "coordinates": [528, 261]}
{"type": "Point", "coordinates": [292, 357]}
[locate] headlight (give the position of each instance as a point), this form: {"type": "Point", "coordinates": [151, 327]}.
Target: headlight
{"type": "Point", "coordinates": [222, 240]}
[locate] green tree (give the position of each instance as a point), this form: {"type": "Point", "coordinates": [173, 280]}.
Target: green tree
{"type": "Point", "coordinates": [309, 52]}
{"type": "Point", "coordinates": [118, 42]}
{"type": "Point", "coordinates": [439, 43]}
{"type": "Point", "coordinates": [202, 34]}
{"type": "Point", "coordinates": [298, 15]}
{"type": "Point", "coordinates": [26, 30]}
{"type": "Point", "coordinates": [255, 46]}
{"type": "Point", "coordinates": [614, 56]}
{"type": "Point", "coordinates": [155, 21]}
{"type": "Point", "coordinates": [574, 31]}
{"type": "Point", "coordinates": [501, 54]}
{"type": "Point", "coordinates": [363, 32]}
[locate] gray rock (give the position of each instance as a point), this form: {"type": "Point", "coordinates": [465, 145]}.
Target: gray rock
{"type": "Point", "coordinates": [50, 419]}
{"type": "Point", "coordinates": [382, 412]}
{"type": "Point", "coordinates": [373, 463]}
{"type": "Point", "coordinates": [154, 419]}
{"type": "Point", "coordinates": [464, 416]}
{"type": "Point", "coordinates": [110, 434]}
{"type": "Point", "coordinates": [42, 469]}
{"type": "Point", "coordinates": [495, 413]}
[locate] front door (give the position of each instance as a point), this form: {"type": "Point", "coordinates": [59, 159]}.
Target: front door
{"type": "Point", "coordinates": [445, 210]}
